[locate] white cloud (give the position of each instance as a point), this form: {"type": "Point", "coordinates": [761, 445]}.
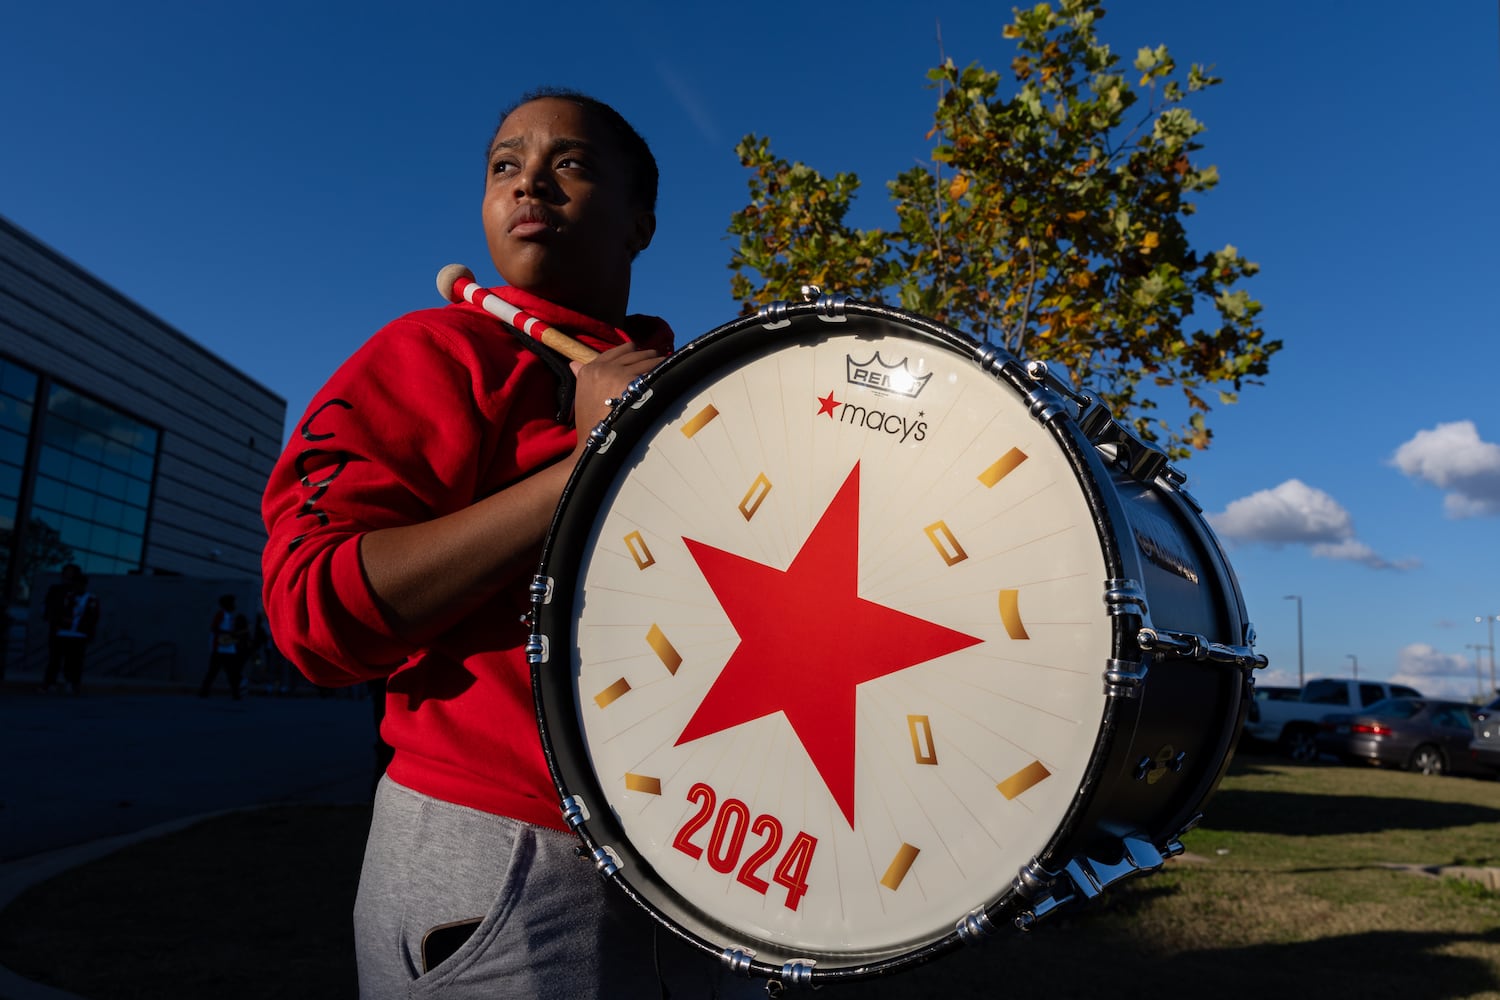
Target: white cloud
{"type": "Point", "coordinates": [1297, 514]}
{"type": "Point", "coordinates": [1452, 457]}
{"type": "Point", "coordinates": [1437, 674]}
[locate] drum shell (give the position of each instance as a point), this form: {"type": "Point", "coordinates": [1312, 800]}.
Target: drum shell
{"type": "Point", "coordinates": [1149, 533]}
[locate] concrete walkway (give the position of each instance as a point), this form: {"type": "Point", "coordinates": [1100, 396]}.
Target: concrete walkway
{"type": "Point", "coordinates": [87, 776]}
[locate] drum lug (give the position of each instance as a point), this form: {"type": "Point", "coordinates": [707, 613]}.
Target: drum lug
{"type": "Point", "coordinates": [737, 960]}
{"type": "Point", "coordinates": [601, 437]}
{"type": "Point", "coordinates": [773, 316]}
{"type": "Point", "coordinates": [798, 972]}
{"type": "Point", "coordinates": [541, 590]}
{"type": "Point", "coordinates": [1124, 679]}
{"type": "Point", "coordinates": [830, 307]}
{"type": "Point", "coordinates": [975, 926]}
{"type": "Point", "coordinates": [1125, 597]}
{"type": "Point", "coordinates": [1038, 886]}
{"type": "Point", "coordinates": [636, 392]}
{"type": "Point", "coordinates": [537, 651]}
{"type": "Point", "coordinates": [575, 812]}
{"type": "Point", "coordinates": [1033, 881]}
{"type": "Point", "coordinates": [606, 860]}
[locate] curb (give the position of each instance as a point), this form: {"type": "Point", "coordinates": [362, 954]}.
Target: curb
{"type": "Point", "coordinates": [1489, 878]}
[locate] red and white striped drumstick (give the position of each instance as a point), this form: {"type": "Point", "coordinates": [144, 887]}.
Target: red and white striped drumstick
{"type": "Point", "coordinates": [456, 283]}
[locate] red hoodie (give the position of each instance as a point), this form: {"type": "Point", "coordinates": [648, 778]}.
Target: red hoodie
{"type": "Point", "coordinates": [439, 409]}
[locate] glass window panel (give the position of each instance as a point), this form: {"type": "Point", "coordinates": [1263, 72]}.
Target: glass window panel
{"type": "Point", "coordinates": [102, 539]}
{"type": "Point", "coordinates": [82, 472]}
{"type": "Point", "coordinates": [10, 481]}
{"type": "Point", "coordinates": [15, 415]}
{"type": "Point", "coordinates": [62, 434]}
{"type": "Point", "coordinates": [53, 463]}
{"type": "Point", "coordinates": [79, 503]}
{"type": "Point", "coordinates": [133, 520]}
{"type": "Point", "coordinates": [138, 493]}
{"type": "Point", "coordinates": [90, 445]}
{"type": "Point", "coordinates": [93, 563]}
{"type": "Point", "coordinates": [129, 548]}
{"type": "Point", "coordinates": [111, 483]}
{"type": "Point", "coordinates": [91, 413]}
{"type": "Point", "coordinates": [63, 402]}
{"type": "Point", "coordinates": [145, 439]}
{"type": "Point", "coordinates": [75, 532]}
{"type": "Point", "coordinates": [17, 381]}
{"type": "Point", "coordinates": [49, 515]}
{"type": "Point", "coordinates": [123, 430]}
{"type": "Point", "coordinates": [108, 511]}
{"type": "Point", "coordinates": [49, 492]}
{"type": "Point", "coordinates": [141, 464]}
{"type": "Point", "coordinates": [117, 456]}
{"type": "Point", "coordinates": [12, 448]}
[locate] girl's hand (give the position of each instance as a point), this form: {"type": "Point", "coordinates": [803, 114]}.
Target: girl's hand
{"type": "Point", "coordinates": [604, 378]}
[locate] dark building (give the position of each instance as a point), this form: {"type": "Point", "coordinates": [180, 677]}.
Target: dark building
{"type": "Point", "coordinates": [129, 449]}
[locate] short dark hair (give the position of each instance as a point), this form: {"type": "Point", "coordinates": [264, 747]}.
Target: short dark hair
{"type": "Point", "coordinates": [644, 176]}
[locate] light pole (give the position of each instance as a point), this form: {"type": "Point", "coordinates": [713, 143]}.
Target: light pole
{"type": "Point", "coordinates": [1298, 599]}
{"type": "Point", "coordinates": [1490, 621]}
{"type": "Point", "coordinates": [1478, 659]}
{"type": "Point", "coordinates": [1356, 664]}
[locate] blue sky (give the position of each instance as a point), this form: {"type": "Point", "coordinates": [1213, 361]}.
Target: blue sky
{"type": "Point", "coordinates": [279, 180]}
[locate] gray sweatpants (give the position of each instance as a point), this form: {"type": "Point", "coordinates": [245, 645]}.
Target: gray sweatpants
{"type": "Point", "coordinates": [548, 925]}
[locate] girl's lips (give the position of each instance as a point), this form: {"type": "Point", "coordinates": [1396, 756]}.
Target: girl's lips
{"type": "Point", "coordinates": [528, 221]}
{"type": "Point", "coordinates": [523, 230]}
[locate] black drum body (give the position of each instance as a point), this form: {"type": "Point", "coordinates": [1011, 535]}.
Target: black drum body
{"type": "Point", "coordinates": [854, 639]}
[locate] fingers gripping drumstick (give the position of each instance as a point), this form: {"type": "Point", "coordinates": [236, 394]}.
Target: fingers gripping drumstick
{"type": "Point", "coordinates": [456, 284]}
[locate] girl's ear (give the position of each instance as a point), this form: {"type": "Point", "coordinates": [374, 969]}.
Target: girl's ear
{"type": "Point", "coordinates": [644, 230]}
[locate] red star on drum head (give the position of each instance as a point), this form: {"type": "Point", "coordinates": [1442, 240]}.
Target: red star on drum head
{"type": "Point", "coordinates": [808, 640]}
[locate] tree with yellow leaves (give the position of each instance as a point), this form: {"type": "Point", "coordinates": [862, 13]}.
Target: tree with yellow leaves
{"type": "Point", "coordinates": [1048, 222]}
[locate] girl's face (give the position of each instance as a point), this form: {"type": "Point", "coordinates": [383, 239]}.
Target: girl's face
{"type": "Point", "coordinates": [558, 213]}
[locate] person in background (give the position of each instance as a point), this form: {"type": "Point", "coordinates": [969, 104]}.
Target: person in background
{"type": "Point", "coordinates": [58, 612]}
{"type": "Point", "coordinates": [229, 640]}
{"type": "Point", "coordinates": [79, 624]}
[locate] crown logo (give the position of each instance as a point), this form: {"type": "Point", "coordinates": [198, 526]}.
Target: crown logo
{"type": "Point", "coordinates": [876, 374]}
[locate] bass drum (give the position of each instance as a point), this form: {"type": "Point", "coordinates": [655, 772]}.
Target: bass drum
{"type": "Point", "coordinates": [854, 639]}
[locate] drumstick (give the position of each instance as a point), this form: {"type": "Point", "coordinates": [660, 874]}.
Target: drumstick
{"type": "Point", "coordinates": [456, 283]}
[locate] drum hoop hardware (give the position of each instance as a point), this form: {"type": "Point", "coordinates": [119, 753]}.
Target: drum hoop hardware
{"type": "Point", "coordinates": [1124, 679]}
{"type": "Point", "coordinates": [1033, 881]}
{"type": "Point", "coordinates": [738, 960]}
{"type": "Point", "coordinates": [773, 315]}
{"type": "Point", "coordinates": [1194, 647]}
{"type": "Point", "coordinates": [606, 860]}
{"type": "Point", "coordinates": [1087, 877]}
{"type": "Point", "coordinates": [537, 650]}
{"type": "Point", "coordinates": [798, 972]}
{"type": "Point", "coordinates": [601, 437]}
{"type": "Point", "coordinates": [1126, 597]}
{"type": "Point", "coordinates": [575, 811]}
{"type": "Point", "coordinates": [541, 590]}
{"type": "Point", "coordinates": [1099, 426]}
{"type": "Point", "coordinates": [975, 926]}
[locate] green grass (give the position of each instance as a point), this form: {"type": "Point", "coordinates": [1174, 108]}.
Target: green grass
{"type": "Point", "coordinates": [1286, 892]}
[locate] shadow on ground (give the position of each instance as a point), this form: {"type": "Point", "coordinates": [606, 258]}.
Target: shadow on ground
{"type": "Point", "coordinates": [256, 904]}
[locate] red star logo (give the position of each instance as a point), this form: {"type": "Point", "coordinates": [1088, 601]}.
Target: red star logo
{"type": "Point", "coordinates": [807, 640]}
{"type": "Point", "coordinates": [826, 404]}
